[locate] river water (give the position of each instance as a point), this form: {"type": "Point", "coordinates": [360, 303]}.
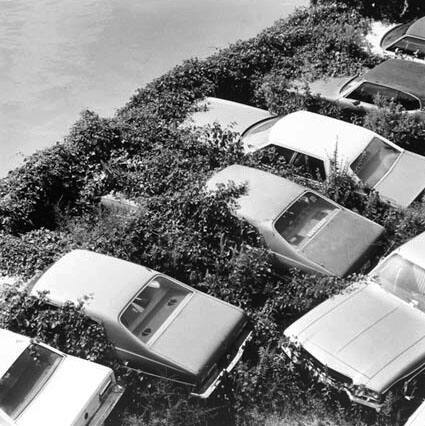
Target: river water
{"type": "Point", "coordinates": [58, 57]}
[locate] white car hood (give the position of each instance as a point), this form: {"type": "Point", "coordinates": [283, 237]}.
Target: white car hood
{"type": "Point", "coordinates": [66, 396]}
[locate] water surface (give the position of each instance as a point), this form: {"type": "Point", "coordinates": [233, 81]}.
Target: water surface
{"type": "Point", "coordinates": [58, 57]}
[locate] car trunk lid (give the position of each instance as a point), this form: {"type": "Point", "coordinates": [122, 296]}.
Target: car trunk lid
{"type": "Point", "coordinates": [405, 181]}
{"type": "Point", "coordinates": [341, 244]}
{"type": "Point", "coordinates": [200, 334]}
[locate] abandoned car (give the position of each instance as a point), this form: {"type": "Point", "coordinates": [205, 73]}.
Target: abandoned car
{"type": "Point", "coordinates": [302, 228]}
{"type": "Point", "coordinates": [406, 39]}
{"type": "Point", "coordinates": [157, 324]}
{"type": "Point", "coordinates": [394, 79]}
{"type": "Point", "coordinates": [370, 339]}
{"type": "Point", "coordinates": [40, 385]}
{"type": "Point", "coordinates": [313, 142]}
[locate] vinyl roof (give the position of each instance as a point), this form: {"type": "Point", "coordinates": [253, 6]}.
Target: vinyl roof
{"type": "Point", "coordinates": [417, 29]}
{"type": "Point", "coordinates": [267, 194]}
{"type": "Point", "coordinates": [406, 76]}
{"type": "Point", "coordinates": [110, 283]}
{"type": "Point", "coordinates": [319, 136]}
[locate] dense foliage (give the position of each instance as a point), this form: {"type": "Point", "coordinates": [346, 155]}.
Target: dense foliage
{"type": "Point", "coordinates": [50, 206]}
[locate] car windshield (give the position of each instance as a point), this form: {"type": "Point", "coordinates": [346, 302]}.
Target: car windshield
{"type": "Point", "coordinates": [402, 278]}
{"type": "Point", "coordinates": [152, 307]}
{"type": "Point", "coordinates": [24, 379]}
{"type": "Point", "coordinates": [258, 134]}
{"type": "Point", "coordinates": [394, 34]}
{"type": "Point", "coordinates": [304, 218]}
{"type": "Point", "coordinates": [374, 162]}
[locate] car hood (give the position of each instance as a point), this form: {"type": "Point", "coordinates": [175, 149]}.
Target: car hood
{"type": "Point", "coordinates": [337, 248]}
{"type": "Point", "coordinates": [366, 333]}
{"type": "Point", "coordinates": [200, 334]}
{"type": "Point", "coordinates": [328, 88]}
{"type": "Point", "coordinates": [71, 391]}
{"type": "Point", "coordinates": [405, 180]}
{"type": "Point", "coordinates": [227, 113]}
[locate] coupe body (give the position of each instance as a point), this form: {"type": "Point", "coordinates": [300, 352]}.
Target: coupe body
{"type": "Point", "coordinates": [406, 39]}
{"type": "Point", "coordinates": [158, 325]}
{"type": "Point", "coordinates": [369, 339]}
{"type": "Point", "coordinates": [395, 79]}
{"type": "Point", "coordinates": [313, 141]}
{"type": "Point", "coordinates": [302, 228]}
{"type": "Point", "coordinates": [40, 385]}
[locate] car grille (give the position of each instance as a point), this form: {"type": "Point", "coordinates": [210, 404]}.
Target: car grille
{"type": "Point", "coordinates": [334, 377]}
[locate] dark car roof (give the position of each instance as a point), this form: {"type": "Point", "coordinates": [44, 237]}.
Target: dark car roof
{"type": "Point", "coordinates": [417, 29]}
{"type": "Point", "coordinates": [406, 76]}
{"type": "Point", "coordinates": [267, 194]}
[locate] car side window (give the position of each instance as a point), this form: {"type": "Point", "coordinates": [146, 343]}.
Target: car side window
{"type": "Point", "coordinates": [367, 92]}
{"type": "Point", "coordinates": [286, 153]}
{"type": "Point", "coordinates": [408, 101]}
{"type": "Point", "coordinates": [312, 165]}
{"type": "Point", "coordinates": [410, 45]}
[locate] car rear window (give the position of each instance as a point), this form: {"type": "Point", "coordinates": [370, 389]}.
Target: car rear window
{"type": "Point", "coordinates": [258, 134]}
{"type": "Point", "coordinates": [153, 306]}
{"type": "Point", "coordinates": [304, 218]}
{"type": "Point", "coordinates": [374, 162]}
{"type": "Point", "coordinates": [25, 378]}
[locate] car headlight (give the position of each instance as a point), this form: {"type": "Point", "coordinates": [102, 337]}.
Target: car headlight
{"type": "Point", "coordinates": [365, 393]}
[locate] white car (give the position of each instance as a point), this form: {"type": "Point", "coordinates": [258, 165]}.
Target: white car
{"type": "Point", "coordinates": [313, 141]}
{"type": "Point", "coordinates": [40, 385]}
{"type": "Point", "coordinates": [369, 339]}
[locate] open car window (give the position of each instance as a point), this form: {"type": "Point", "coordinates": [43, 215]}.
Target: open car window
{"type": "Point", "coordinates": [313, 166]}
{"type": "Point", "coordinates": [258, 134]}
{"type": "Point", "coordinates": [26, 377]}
{"type": "Point", "coordinates": [304, 218]}
{"type": "Point", "coordinates": [402, 278]}
{"type": "Point", "coordinates": [150, 309]}
{"type": "Point", "coordinates": [374, 162]}
{"type": "Point", "coordinates": [411, 46]}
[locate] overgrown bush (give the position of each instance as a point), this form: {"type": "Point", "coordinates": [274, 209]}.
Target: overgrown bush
{"type": "Point", "coordinates": [50, 206]}
{"type": "Point", "coordinates": [393, 10]}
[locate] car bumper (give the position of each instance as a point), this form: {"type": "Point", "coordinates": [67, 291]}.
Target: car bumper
{"type": "Point", "coordinates": [324, 378]}
{"type": "Point", "coordinates": [107, 406]}
{"type": "Point", "coordinates": [213, 386]}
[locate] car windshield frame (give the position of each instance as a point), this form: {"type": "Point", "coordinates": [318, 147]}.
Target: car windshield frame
{"type": "Point", "coordinates": [345, 88]}
{"type": "Point", "coordinates": [383, 169]}
{"type": "Point", "coordinates": [400, 31]}
{"type": "Point", "coordinates": [302, 227]}
{"type": "Point", "coordinates": [248, 131]}
{"type": "Point", "coordinates": [142, 312]}
{"type": "Point", "coordinates": [14, 376]}
{"type": "Point", "coordinates": [417, 298]}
